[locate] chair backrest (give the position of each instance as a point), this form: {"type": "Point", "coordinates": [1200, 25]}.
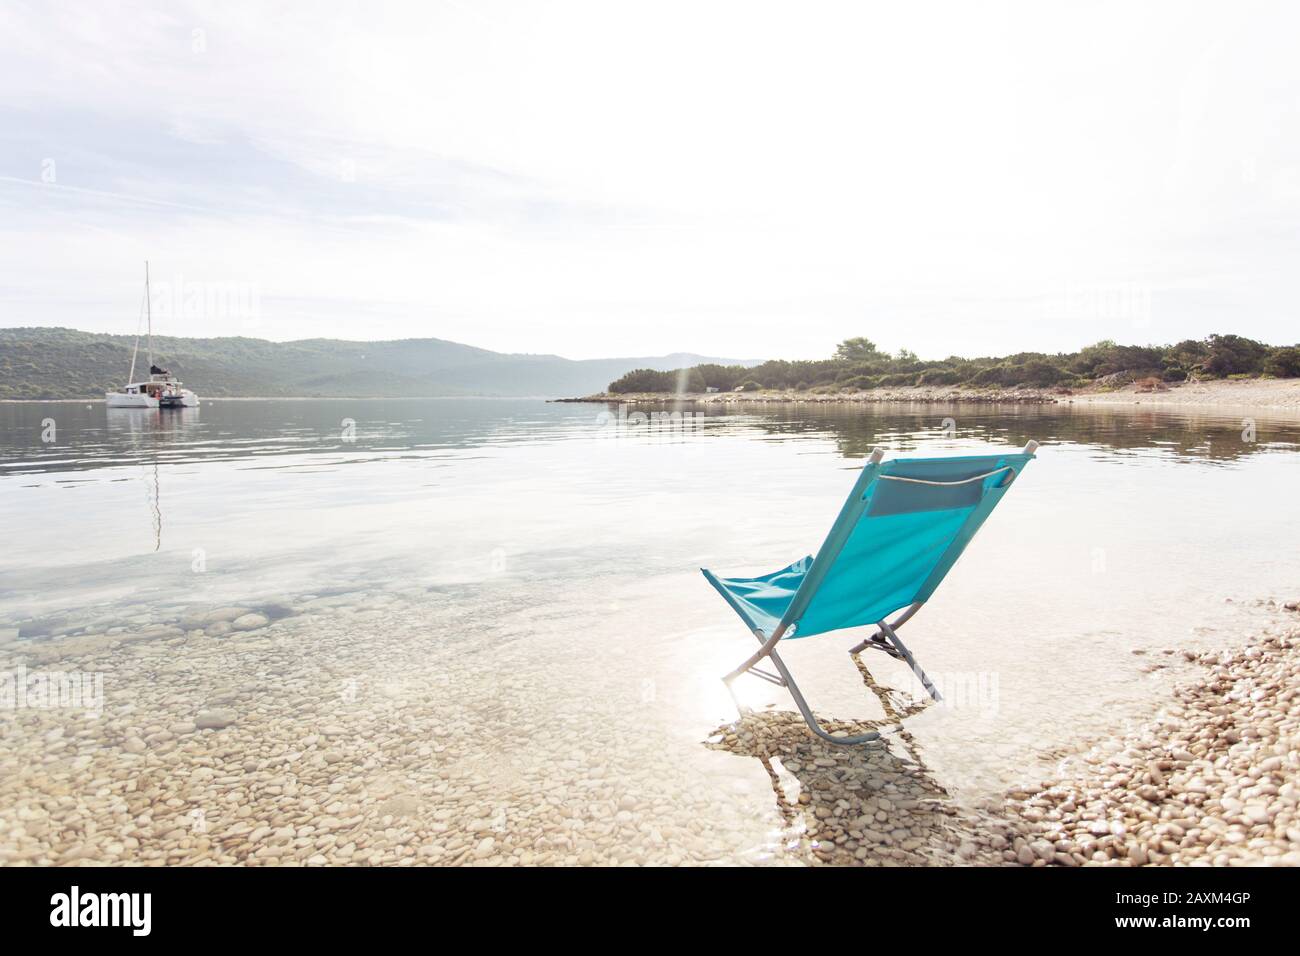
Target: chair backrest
{"type": "Point", "coordinates": [904, 525]}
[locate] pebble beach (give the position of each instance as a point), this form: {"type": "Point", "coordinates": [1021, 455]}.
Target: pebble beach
{"type": "Point", "coordinates": [1213, 779]}
{"type": "Point", "coordinates": [219, 742]}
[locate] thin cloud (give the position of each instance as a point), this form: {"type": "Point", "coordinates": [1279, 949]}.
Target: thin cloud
{"type": "Point", "coordinates": [597, 179]}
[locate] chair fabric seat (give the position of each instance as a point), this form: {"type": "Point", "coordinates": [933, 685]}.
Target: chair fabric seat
{"type": "Point", "coordinates": [761, 601]}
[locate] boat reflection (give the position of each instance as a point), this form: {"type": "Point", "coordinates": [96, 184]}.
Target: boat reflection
{"type": "Point", "coordinates": [147, 431]}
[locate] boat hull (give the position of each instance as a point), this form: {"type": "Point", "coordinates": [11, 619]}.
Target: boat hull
{"type": "Point", "coordinates": [124, 400]}
{"type": "Point", "coordinates": [186, 399]}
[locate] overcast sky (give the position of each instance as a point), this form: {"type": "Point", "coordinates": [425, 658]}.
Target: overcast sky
{"type": "Point", "coordinates": [615, 178]}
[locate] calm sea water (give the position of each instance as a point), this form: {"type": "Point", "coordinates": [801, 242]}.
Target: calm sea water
{"type": "Point", "coordinates": [1135, 530]}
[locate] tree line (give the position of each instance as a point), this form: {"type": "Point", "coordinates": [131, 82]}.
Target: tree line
{"type": "Point", "coordinates": [858, 365]}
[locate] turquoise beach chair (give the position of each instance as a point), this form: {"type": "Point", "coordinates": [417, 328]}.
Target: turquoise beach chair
{"type": "Point", "coordinates": [904, 525]}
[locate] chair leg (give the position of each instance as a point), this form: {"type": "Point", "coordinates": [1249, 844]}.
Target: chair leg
{"type": "Point", "coordinates": [787, 681]}
{"type": "Point", "coordinates": [878, 639]}
{"type": "Point", "coordinates": [767, 642]}
{"type": "Point", "coordinates": [875, 642]}
{"type": "Point", "coordinates": [808, 714]}
{"type": "Point", "coordinates": [911, 662]}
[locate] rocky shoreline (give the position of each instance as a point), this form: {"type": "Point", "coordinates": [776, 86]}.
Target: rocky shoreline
{"type": "Point", "coordinates": [938, 395]}
{"type": "Point", "coordinates": [1281, 394]}
{"type": "Point", "coordinates": [1212, 780]}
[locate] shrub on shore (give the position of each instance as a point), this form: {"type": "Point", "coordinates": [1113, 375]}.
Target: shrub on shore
{"type": "Point", "coordinates": [858, 365]}
{"type": "Point", "coordinates": [1283, 363]}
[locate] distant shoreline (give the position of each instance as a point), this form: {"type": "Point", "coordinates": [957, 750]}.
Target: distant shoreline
{"type": "Point", "coordinates": [1272, 393]}
{"type": "Point", "coordinates": [1281, 394]}
{"type": "Point", "coordinates": [291, 398]}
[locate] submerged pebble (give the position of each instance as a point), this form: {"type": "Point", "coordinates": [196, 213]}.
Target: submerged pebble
{"type": "Point", "coordinates": [381, 747]}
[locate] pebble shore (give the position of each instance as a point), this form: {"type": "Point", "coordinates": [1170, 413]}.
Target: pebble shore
{"type": "Point", "coordinates": [336, 731]}
{"type": "Point", "coordinates": [1213, 780]}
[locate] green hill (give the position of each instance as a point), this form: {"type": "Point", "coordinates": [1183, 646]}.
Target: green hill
{"type": "Point", "coordinates": [53, 363]}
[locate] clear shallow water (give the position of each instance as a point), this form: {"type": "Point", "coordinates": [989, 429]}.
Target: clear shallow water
{"type": "Point", "coordinates": [568, 531]}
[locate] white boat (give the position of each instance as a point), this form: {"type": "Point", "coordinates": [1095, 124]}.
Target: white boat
{"type": "Point", "coordinates": [161, 389]}
{"type": "Point", "coordinates": [135, 395]}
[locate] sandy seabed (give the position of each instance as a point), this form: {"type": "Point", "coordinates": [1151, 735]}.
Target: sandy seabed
{"type": "Point", "coordinates": [349, 732]}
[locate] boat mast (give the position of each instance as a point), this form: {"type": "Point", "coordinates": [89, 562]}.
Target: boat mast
{"type": "Point", "coordinates": [149, 312]}
{"type": "Point", "coordinates": [130, 376]}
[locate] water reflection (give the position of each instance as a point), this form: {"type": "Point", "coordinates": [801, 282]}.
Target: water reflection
{"type": "Point", "coordinates": [143, 433]}
{"type": "Point", "coordinates": [131, 425]}
{"type": "Point", "coordinates": [1190, 434]}
{"type": "Point", "coordinates": [336, 433]}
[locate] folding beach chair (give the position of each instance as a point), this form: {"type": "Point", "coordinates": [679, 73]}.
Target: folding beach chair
{"type": "Point", "coordinates": [904, 525]}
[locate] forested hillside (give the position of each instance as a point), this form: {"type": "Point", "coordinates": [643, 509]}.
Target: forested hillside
{"type": "Point", "coordinates": [64, 363]}
{"type": "Point", "coordinates": [858, 365]}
